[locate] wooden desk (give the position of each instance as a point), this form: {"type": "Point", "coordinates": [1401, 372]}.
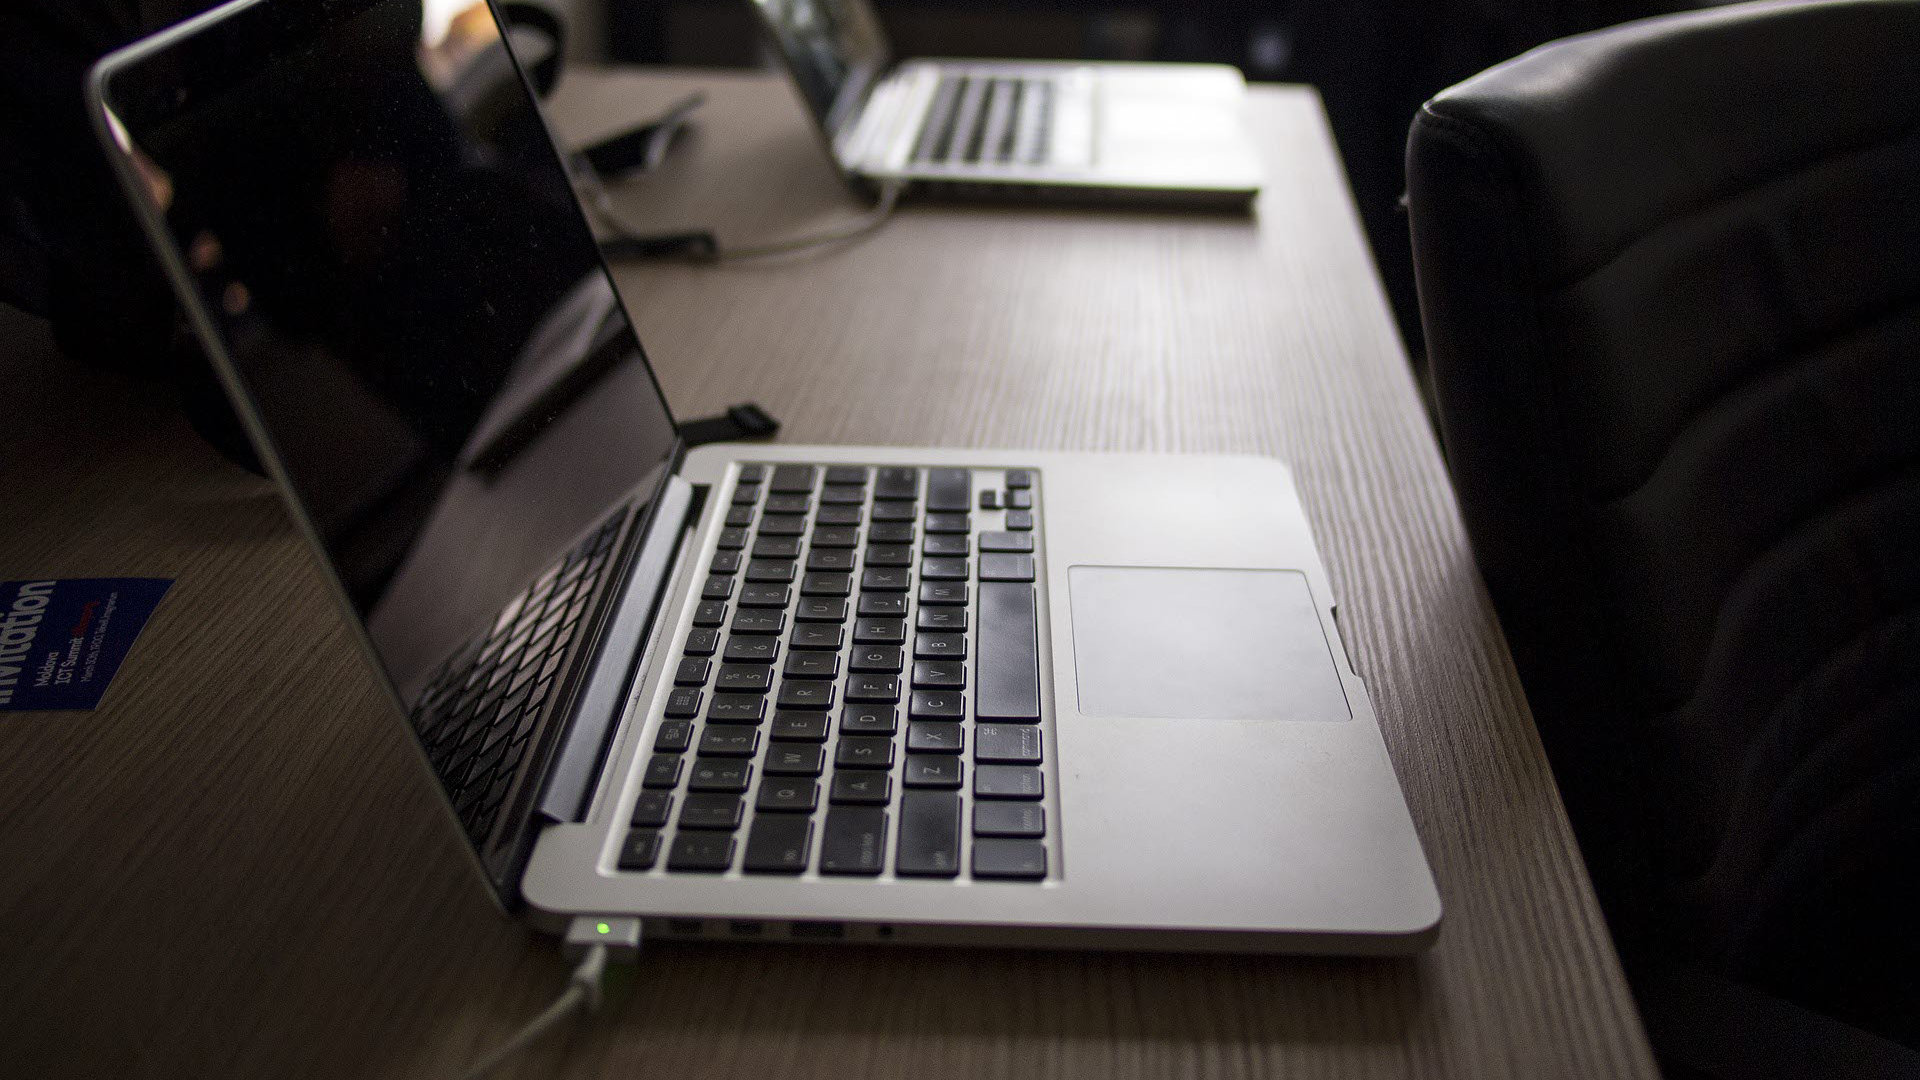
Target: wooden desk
{"type": "Point", "coordinates": [232, 868]}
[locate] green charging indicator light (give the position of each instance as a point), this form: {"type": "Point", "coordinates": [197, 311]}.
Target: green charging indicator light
{"type": "Point", "coordinates": [603, 928]}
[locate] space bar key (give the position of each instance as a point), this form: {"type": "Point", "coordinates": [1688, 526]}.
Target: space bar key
{"type": "Point", "coordinates": [1009, 653]}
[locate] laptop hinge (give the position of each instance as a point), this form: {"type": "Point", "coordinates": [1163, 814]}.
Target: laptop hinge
{"type": "Point", "coordinates": [576, 764]}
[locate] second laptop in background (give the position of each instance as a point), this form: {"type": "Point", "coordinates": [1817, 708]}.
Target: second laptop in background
{"type": "Point", "coordinates": [1171, 134]}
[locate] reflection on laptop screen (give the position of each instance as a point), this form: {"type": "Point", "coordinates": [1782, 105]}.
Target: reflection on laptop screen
{"type": "Point", "coordinates": [373, 217]}
{"type": "Point", "coordinates": [833, 48]}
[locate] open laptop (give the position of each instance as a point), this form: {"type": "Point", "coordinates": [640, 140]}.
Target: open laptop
{"type": "Point", "coordinates": [1162, 133]}
{"type": "Point", "coordinates": [858, 693]}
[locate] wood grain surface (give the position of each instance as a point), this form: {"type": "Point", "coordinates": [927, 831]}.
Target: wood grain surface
{"type": "Point", "coordinates": [233, 868]}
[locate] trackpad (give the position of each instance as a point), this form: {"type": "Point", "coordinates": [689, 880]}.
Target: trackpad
{"type": "Point", "coordinates": [1201, 644]}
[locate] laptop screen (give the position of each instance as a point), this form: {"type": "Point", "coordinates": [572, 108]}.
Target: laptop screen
{"type": "Point", "coordinates": [834, 48]}
{"type": "Point", "coordinates": [374, 219]}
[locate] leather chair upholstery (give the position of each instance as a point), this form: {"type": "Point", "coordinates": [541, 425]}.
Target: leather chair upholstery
{"type": "Point", "coordinates": [1669, 275]}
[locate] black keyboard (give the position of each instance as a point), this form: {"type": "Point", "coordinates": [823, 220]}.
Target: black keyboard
{"type": "Point", "coordinates": [859, 692]}
{"type": "Point", "coordinates": [478, 714]}
{"type": "Point", "coordinates": [987, 121]}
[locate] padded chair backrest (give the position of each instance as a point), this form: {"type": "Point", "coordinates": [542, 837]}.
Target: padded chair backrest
{"type": "Point", "coordinates": [1670, 280]}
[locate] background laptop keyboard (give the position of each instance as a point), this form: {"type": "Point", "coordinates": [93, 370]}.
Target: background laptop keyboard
{"type": "Point", "coordinates": [987, 121]}
{"type": "Point", "coordinates": [860, 691]}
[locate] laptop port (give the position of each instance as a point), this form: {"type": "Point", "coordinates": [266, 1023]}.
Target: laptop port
{"type": "Point", "coordinates": [824, 931]}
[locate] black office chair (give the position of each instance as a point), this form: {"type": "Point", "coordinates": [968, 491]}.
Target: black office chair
{"type": "Point", "coordinates": [1670, 280]}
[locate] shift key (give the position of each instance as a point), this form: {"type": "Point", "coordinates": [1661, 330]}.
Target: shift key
{"type": "Point", "coordinates": [1008, 667]}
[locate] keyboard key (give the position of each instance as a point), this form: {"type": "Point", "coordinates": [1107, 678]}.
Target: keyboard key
{"type": "Point", "coordinates": [710, 613]}
{"type": "Point", "coordinates": [792, 478]}
{"type": "Point", "coordinates": [732, 539]}
{"type": "Point", "coordinates": [935, 771]}
{"type": "Point", "coordinates": [692, 671]}
{"type": "Point", "coordinates": [799, 726]}
{"type": "Point", "coordinates": [736, 709]}
{"type": "Point", "coordinates": [710, 852]}
{"type": "Point", "coordinates": [937, 705]}
{"type": "Point", "coordinates": [885, 579]}
{"type": "Point", "coordinates": [1021, 860]}
{"type": "Point", "coordinates": [877, 659]}
{"type": "Point", "coordinates": [1019, 478]}
{"type": "Point", "coordinates": [663, 771]}
{"type": "Point", "coordinates": [724, 562]}
{"type": "Point", "coordinates": [989, 500]}
{"type": "Point", "coordinates": [854, 840]}
{"type": "Point", "coordinates": [939, 675]}
{"type": "Point", "coordinates": [881, 605]}
{"type": "Point", "coordinates": [944, 593]}
{"type": "Point", "coordinates": [869, 720]}
{"type": "Point", "coordinates": [830, 560]}
{"type": "Point", "coordinates": [673, 736]}
{"type": "Point", "coordinates": [1007, 782]}
{"type": "Point", "coordinates": [950, 569]}
{"type": "Point", "coordinates": [1005, 568]}
{"type": "Point", "coordinates": [724, 774]}
{"type": "Point", "coordinates": [787, 525]}
{"type": "Point", "coordinates": [752, 474]}
{"type": "Point", "coordinates": [718, 587]}
{"type": "Point", "coordinates": [932, 737]}
{"type": "Point", "coordinates": [839, 537]}
{"type": "Point", "coordinates": [758, 622]}
{"type": "Point", "coordinates": [1008, 669]}
{"type": "Point", "coordinates": [949, 523]}
{"type": "Point", "coordinates": [778, 844]}
{"type": "Point", "coordinates": [838, 515]}
{"type": "Point", "coordinates": [787, 795]}
{"type": "Point", "coordinates": [842, 495]}
{"type": "Point", "coordinates": [776, 547]}
{"type": "Point", "coordinates": [891, 532]}
{"type": "Point", "coordinates": [895, 511]}
{"type": "Point", "coordinates": [952, 619]}
{"type": "Point", "coordinates": [827, 585]}
{"type": "Point", "coordinates": [873, 688]}
{"type": "Point", "coordinates": [897, 484]}
{"type": "Point", "coordinates": [812, 665]}
{"type": "Point", "coordinates": [652, 808]}
{"type": "Point", "coordinates": [859, 787]}
{"type": "Point", "coordinates": [684, 701]}
{"type": "Point", "coordinates": [864, 752]}
{"type": "Point", "coordinates": [1019, 500]}
{"type": "Point", "coordinates": [847, 474]}
{"type": "Point", "coordinates": [746, 493]}
{"type": "Point", "coordinates": [879, 631]}
{"type": "Point", "coordinates": [949, 489]}
{"type": "Point", "coordinates": [771, 571]}
{"type": "Point", "coordinates": [788, 504]}
{"type": "Point", "coordinates": [821, 609]}
{"type": "Point", "coordinates": [739, 516]}
{"type": "Point", "coordinates": [939, 646]}
{"type": "Point", "coordinates": [1006, 542]}
{"type": "Point", "coordinates": [766, 596]}
{"type": "Point", "coordinates": [929, 834]}
{"type": "Point", "coordinates": [794, 759]}
{"type": "Point", "coordinates": [702, 641]}
{"type": "Point", "coordinates": [709, 811]}
{"type": "Point", "coordinates": [1014, 819]}
{"type": "Point", "coordinates": [743, 678]}
{"type": "Point", "coordinates": [1020, 519]}
{"type": "Point", "coordinates": [1009, 744]}
{"type": "Point", "coordinates": [751, 650]}
{"type": "Point", "coordinates": [946, 544]}
{"type": "Point", "coordinates": [639, 850]}
{"type": "Point", "coordinates": [806, 695]}
{"type": "Point", "coordinates": [890, 555]}
{"type": "Point", "coordinates": [817, 636]}
{"type": "Point", "coordinates": [730, 740]}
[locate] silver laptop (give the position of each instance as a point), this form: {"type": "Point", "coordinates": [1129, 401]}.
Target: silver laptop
{"type": "Point", "coordinates": [1166, 133]}
{"type": "Point", "coordinates": [849, 693]}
